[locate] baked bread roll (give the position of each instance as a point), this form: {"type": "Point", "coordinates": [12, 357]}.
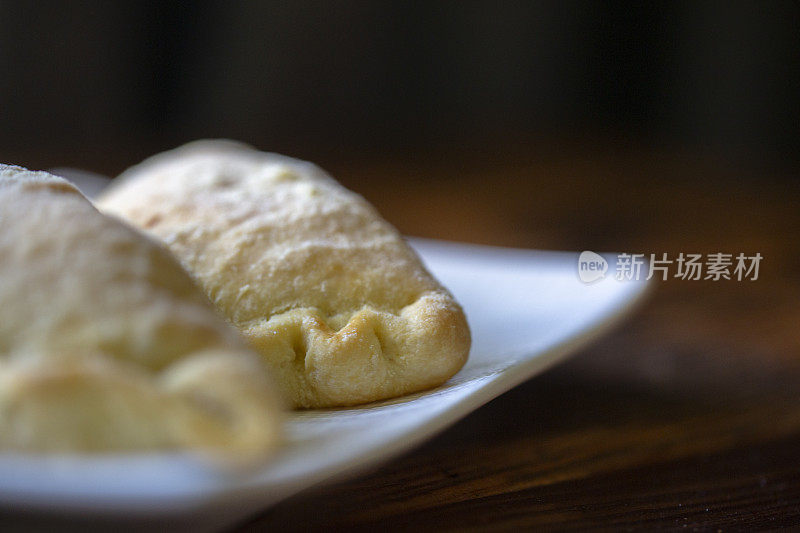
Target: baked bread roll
{"type": "Point", "coordinates": [106, 343]}
{"type": "Point", "coordinates": [329, 293]}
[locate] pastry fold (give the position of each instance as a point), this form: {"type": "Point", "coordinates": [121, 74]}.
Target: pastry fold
{"type": "Point", "coordinates": [106, 344]}
{"type": "Point", "coordinates": [330, 294]}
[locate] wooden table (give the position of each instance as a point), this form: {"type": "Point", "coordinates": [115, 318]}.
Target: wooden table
{"type": "Point", "coordinates": [686, 417]}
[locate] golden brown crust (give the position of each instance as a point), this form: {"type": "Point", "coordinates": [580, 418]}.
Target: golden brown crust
{"type": "Point", "coordinates": [107, 344]}
{"type": "Point", "coordinates": [338, 304]}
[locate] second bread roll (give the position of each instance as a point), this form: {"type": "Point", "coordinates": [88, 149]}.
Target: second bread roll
{"type": "Point", "coordinates": [328, 292]}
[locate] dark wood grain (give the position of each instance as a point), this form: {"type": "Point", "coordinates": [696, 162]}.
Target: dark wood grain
{"type": "Point", "coordinates": [686, 417]}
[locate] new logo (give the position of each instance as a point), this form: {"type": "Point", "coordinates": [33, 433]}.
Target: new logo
{"type": "Point", "coordinates": [591, 267]}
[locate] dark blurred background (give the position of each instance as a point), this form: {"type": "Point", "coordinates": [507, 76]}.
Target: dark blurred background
{"type": "Point", "coordinates": [102, 84]}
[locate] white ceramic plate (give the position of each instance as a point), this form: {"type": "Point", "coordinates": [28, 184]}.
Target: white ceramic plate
{"type": "Point", "coordinates": [527, 310]}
